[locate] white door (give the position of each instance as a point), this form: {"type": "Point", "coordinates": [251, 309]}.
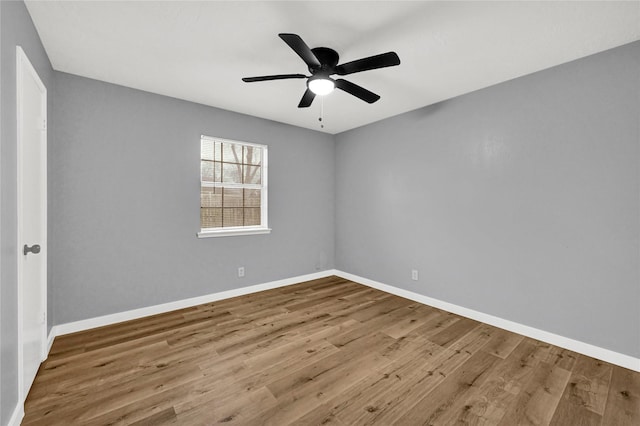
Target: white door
{"type": "Point", "coordinates": [32, 220]}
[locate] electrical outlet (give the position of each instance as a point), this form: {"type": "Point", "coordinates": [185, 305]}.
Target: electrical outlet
{"type": "Point", "coordinates": [241, 272]}
{"type": "Point", "coordinates": [414, 274]}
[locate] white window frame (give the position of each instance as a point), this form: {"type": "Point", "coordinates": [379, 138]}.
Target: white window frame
{"type": "Point", "coordinates": [240, 230]}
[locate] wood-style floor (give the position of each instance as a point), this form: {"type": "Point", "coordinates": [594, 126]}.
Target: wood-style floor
{"type": "Point", "coordinates": [328, 351]}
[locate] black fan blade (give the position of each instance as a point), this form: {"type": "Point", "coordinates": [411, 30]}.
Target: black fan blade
{"type": "Point", "coordinates": [383, 60]}
{"type": "Point", "coordinates": [357, 91]}
{"type": "Point", "coordinates": [307, 98]}
{"type": "Point", "coordinates": [272, 77]}
{"type": "Point", "coordinates": [300, 47]}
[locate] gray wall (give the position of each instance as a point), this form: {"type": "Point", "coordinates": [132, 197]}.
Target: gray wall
{"type": "Point", "coordinates": [16, 28]}
{"type": "Point", "coordinates": [520, 200]}
{"type": "Point", "coordinates": [2, 346]}
{"type": "Point", "coordinates": [125, 194]}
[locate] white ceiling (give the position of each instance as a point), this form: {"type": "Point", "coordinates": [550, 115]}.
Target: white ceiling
{"type": "Point", "coordinates": [198, 51]}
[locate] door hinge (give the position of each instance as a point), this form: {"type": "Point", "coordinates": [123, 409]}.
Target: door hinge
{"type": "Point", "coordinates": [44, 318]}
{"type": "Point", "coordinates": [44, 124]}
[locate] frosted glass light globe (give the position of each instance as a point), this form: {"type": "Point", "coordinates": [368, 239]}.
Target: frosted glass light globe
{"type": "Point", "coordinates": [321, 86]}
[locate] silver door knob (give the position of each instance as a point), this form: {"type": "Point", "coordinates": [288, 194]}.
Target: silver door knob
{"type": "Point", "coordinates": [35, 249]}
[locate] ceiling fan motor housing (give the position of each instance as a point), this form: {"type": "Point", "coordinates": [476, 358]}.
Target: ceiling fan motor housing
{"type": "Point", "coordinates": [328, 60]}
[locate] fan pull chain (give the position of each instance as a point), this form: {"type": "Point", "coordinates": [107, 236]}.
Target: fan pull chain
{"type": "Point", "coordinates": [321, 112]}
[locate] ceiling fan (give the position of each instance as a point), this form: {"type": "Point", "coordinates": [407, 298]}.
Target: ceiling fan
{"type": "Point", "coordinates": [322, 63]}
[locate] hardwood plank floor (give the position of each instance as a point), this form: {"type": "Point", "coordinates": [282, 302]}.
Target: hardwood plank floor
{"type": "Point", "coordinates": [327, 351]}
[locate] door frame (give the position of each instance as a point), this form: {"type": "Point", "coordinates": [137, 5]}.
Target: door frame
{"type": "Point", "coordinates": [24, 65]}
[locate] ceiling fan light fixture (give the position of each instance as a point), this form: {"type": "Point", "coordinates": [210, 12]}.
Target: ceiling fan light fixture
{"type": "Point", "coordinates": [322, 63]}
{"type": "Point", "coordinates": [321, 85]}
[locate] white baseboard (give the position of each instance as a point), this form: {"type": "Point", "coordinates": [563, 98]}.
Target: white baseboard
{"type": "Point", "coordinates": [72, 327]}
{"type": "Point", "coordinates": [607, 355]}
{"type": "Point", "coordinates": [17, 416]}
{"type": "Point", "coordinates": [593, 351]}
{"type": "Point", "coordinates": [50, 337]}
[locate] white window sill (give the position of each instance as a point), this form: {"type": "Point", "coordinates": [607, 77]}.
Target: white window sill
{"type": "Point", "coordinates": [228, 232]}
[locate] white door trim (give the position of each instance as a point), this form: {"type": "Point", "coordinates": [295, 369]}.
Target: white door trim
{"type": "Point", "coordinates": [23, 64]}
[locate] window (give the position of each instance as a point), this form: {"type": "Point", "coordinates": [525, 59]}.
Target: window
{"type": "Point", "coordinates": [233, 188]}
